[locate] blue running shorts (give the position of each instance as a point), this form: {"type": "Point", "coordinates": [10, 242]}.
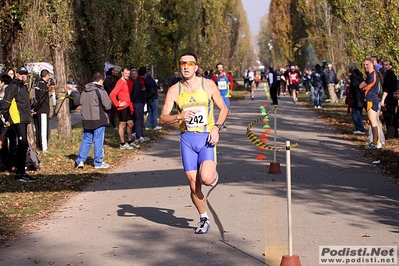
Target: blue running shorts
{"type": "Point", "coordinates": [195, 149]}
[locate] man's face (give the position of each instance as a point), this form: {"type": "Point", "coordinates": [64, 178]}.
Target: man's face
{"type": "Point", "coordinates": [22, 77]}
{"type": "Point", "coordinates": [133, 74]}
{"type": "Point", "coordinates": [220, 69]}
{"type": "Point", "coordinates": [387, 65]}
{"type": "Point", "coordinates": [115, 71]}
{"type": "Point", "coordinates": [368, 66]}
{"type": "Point", "coordinates": [47, 77]}
{"type": "Point", "coordinates": [188, 66]}
{"type": "Point", "coordinates": [125, 74]}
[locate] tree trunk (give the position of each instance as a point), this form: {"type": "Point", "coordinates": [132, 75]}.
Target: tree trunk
{"type": "Point", "coordinates": [62, 108]}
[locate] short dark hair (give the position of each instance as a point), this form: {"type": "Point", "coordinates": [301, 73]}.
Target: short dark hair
{"type": "Point", "coordinates": [97, 77]}
{"type": "Point", "coordinates": [5, 78]}
{"type": "Point", "coordinates": [142, 71]}
{"type": "Point", "coordinates": [190, 54]}
{"type": "Point", "coordinates": [219, 64]}
{"type": "Point", "coordinates": [109, 72]}
{"type": "Point", "coordinates": [389, 62]}
{"type": "Point", "coordinates": [44, 73]}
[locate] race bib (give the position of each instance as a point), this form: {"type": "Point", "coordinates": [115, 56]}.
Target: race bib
{"type": "Point", "coordinates": [222, 84]}
{"type": "Point", "coordinates": [199, 119]}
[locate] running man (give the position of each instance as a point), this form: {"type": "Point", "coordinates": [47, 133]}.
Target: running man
{"type": "Point", "coordinates": [293, 78]}
{"type": "Point", "coordinates": [225, 83]}
{"type": "Point", "coordinates": [194, 97]}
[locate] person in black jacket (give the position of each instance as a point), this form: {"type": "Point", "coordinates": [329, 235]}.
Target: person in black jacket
{"type": "Point", "coordinates": [319, 83]}
{"type": "Point", "coordinates": [356, 98]}
{"type": "Point", "coordinates": [139, 98]}
{"type": "Point", "coordinates": [388, 103]}
{"type": "Point", "coordinates": [109, 84]}
{"type": "Point", "coordinates": [17, 114]}
{"type": "Point", "coordinates": [272, 79]}
{"type": "Point", "coordinates": [42, 110]}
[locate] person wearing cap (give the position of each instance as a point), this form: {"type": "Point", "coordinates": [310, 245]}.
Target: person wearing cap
{"type": "Point", "coordinates": [331, 81]}
{"type": "Point", "coordinates": [17, 113]}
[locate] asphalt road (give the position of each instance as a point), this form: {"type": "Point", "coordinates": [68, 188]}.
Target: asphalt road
{"type": "Point", "coordinates": [142, 213]}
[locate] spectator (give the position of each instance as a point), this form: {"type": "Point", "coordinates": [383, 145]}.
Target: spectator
{"type": "Point", "coordinates": [42, 111]}
{"type": "Point", "coordinates": [120, 98]}
{"type": "Point", "coordinates": [200, 72]}
{"type": "Point", "coordinates": [370, 89]}
{"type": "Point", "coordinates": [132, 78]}
{"type": "Point", "coordinates": [356, 98]}
{"type": "Point", "coordinates": [95, 105]}
{"type": "Point", "coordinates": [152, 103]}
{"type": "Point", "coordinates": [17, 115]}
{"type": "Point", "coordinates": [331, 81]}
{"type": "Point", "coordinates": [138, 98]}
{"type": "Point", "coordinates": [109, 84]}
{"type": "Point", "coordinates": [5, 79]}
{"type": "Point", "coordinates": [376, 63]}
{"type": "Point", "coordinates": [272, 78]}
{"type": "Point", "coordinates": [175, 79]}
{"type": "Point", "coordinates": [319, 82]}
{"type": "Point", "coordinates": [130, 81]}
{"type": "Point", "coordinates": [10, 72]}
{"type": "Point", "coordinates": [388, 103]}
{"type": "Point", "coordinates": [396, 97]}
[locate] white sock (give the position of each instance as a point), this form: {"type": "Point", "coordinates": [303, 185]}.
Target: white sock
{"type": "Point", "coordinates": [204, 215]}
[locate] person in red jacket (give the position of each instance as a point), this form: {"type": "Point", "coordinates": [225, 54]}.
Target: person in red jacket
{"type": "Point", "coordinates": [120, 97]}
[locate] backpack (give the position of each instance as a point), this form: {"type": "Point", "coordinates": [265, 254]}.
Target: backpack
{"type": "Point", "coordinates": [32, 160]}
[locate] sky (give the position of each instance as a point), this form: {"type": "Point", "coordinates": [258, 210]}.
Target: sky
{"type": "Point", "coordinates": [255, 10]}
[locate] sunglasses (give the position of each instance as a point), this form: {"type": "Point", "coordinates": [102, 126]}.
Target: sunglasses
{"type": "Point", "coordinates": [189, 63]}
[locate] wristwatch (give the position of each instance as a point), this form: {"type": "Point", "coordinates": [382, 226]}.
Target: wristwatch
{"type": "Point", "coordinates": [219, 126]}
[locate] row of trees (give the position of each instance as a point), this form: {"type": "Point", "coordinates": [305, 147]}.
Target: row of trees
{"type": "Point", "coordinates": [340, 31]}
{"type": "Point", "coordinates": [79, 36]}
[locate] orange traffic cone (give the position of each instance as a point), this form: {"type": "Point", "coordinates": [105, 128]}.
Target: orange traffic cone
{"type": "Point", "coordinates": [261, 157]}
{"type": "Point", "coordinates": [264, 140]}
{"type": "Point", "coordinates": [290, 261]}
